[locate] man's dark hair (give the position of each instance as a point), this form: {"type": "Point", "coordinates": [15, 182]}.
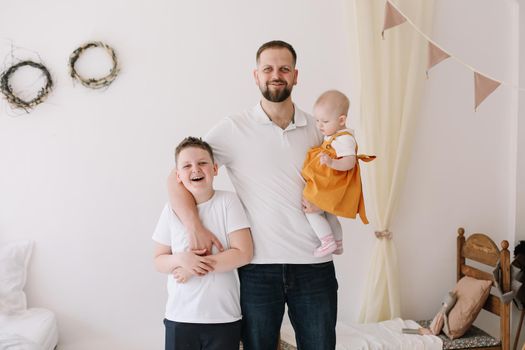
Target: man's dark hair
{"type": "Point", "coordinates": [276, 44]}
{"type": "Point", "coordinates": [197, 142]}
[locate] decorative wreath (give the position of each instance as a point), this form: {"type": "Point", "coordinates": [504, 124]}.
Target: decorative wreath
{"type": "Point", "coordinates": [90, 82]}
{"type": "Point", "coordinates": [14, 100]}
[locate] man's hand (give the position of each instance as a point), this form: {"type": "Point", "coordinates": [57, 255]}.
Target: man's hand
{"type": "Point", "coordinates": [202, 238]}
{"type": "Point", "coordinates": [172, 179]}
{"type": "Point", "coordinates": [181, 275]}
{"type": "Point", "coordinates": [309, 208]}
{"type": "Point", "coordinates": [325, 159]}
{"type": "Point", "coordinates": [196, 263]}
{"type": "Point", "coordinates": [183, 205]}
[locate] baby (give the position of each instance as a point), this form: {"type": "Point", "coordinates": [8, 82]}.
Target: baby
{"type": "Point", "coordinates": [331, 172]}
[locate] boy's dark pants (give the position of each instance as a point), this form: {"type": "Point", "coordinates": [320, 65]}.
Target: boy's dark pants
{"type": "Point", "coordinates": [205, 336]}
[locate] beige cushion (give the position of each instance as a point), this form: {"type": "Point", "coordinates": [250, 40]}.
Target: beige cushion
{"type": "Point", "coordinates": [471, 295]}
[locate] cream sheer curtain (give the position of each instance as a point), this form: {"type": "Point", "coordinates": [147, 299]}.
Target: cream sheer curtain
{"type": "Point", "coordinates": [392, 76]}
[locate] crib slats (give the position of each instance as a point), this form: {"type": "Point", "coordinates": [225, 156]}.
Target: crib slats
{"type": "Point", "coordinates": [467, 270]}
{"type": "Point", "coordinates": [478, 248]}
{"type": "Point", "coordinates": [493, 304]}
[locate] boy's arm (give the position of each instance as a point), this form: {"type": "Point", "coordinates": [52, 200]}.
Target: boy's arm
{"type": "Point", "coordinates": [166, 261]}
{"type": "Point", "coordinates": [239, 254]}
{"type": "Point", "coordinates": [342, 164]}
{"type": "Point", "coordinates": [183, 205]}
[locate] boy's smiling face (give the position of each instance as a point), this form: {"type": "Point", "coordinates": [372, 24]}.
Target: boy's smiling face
{"type": "Point", "coordinates": [195, 170]}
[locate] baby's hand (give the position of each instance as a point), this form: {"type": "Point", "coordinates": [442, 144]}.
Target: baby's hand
{"type": "Point", "coordinates": [181, 275]}
{"type": "Point", "coordinates": [325, 159]}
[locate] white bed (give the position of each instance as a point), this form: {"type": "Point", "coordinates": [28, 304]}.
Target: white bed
{"type": "Point", "coordinates": [32, 329]}
{"type": "Point", "coordinates": [375, 336]}
{"type": "Point", "coordinates": [21, 328]}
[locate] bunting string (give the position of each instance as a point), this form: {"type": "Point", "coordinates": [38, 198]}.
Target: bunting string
{"type": "Point", "coordinates": [484, 84]}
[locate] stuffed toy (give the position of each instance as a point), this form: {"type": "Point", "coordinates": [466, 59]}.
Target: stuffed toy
{"type": "Point", "coordinates": [440, 321]}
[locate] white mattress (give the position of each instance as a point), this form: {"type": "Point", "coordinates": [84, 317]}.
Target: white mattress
{"type": "Point", "coordinates": [384, 335]}
{"type": "Point", "coordinates": [35, 325]}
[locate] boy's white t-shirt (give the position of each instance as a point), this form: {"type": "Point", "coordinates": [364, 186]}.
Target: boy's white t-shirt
{"type": "Point", "coordinates": [344, 145]}
{"type": "Point", "coordinates": [213, 298]}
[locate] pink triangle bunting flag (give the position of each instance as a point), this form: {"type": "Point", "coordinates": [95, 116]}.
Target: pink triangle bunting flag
{"type": "Point", "coordinates": [435, 56]}
{"type": "Point", "coordinates": [483, 87]}
{"type": "Point", "coordinates": [392, 18]}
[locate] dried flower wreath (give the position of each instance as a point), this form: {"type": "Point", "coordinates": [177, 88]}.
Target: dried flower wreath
{"type": "Point", "coordinates": [90, 82]}
{"type": "Point", "coordinates": [12, 98]}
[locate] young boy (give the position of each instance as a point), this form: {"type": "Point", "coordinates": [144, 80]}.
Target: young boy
{"type": "Point", "coordinates": [203, 308]}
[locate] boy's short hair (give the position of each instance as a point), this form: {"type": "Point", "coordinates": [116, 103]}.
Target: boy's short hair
{"type": "Point", "coordinates": [197, 142]}
{"type": "Point", "coordinates": [337, 102]}
{"type": "Point", "coordinates": [276, 44]}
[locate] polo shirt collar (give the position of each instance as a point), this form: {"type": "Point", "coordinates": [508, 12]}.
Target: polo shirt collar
{"type": "Point", "coordinates": [261, 117]}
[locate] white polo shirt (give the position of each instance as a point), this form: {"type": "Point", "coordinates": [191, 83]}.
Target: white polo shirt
{"type": "Point", "coordinates": [264, 165]}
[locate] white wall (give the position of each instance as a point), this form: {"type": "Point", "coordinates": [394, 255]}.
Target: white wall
{"type": "Point", "coordinates": [520, 212]}
{"type": "Point", "coordinates": [520, 188]}
{"type": "Point", "coordinates": [463, 167]}
{"type": "Point", "coordinates": [83, 174]}
{"type": "Point", "coordinates": [520, 157]}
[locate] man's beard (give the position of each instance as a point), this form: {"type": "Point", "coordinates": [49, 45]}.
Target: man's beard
{"type": "Point", "coordinates": [278, 95]}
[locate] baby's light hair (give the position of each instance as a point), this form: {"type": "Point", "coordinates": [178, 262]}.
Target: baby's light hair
{"type": "Point", "coordinates": [335, 101]}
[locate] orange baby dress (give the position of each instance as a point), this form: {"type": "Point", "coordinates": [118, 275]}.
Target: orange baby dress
{"type": "Point", "coordinates": [334, 191]}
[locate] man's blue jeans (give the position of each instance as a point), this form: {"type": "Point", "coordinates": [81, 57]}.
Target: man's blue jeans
{"type": "Point", "coordinates": [309, 290]}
